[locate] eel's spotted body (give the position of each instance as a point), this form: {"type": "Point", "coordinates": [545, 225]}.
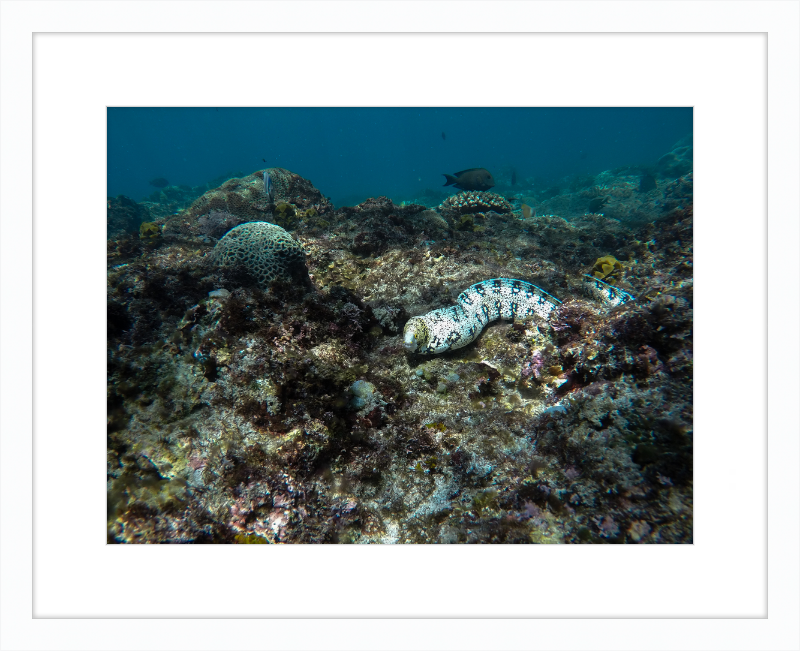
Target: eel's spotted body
{"type": "Point", "coordinates": [602, 291]}
{"type": "Point", "coordinates": [449, 328]}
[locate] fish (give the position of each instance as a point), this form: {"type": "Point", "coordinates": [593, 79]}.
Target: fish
{"type": "Point", "coordinates": [443, 136]}
{"type": "Point", "coordinates": [159, 182]}
{"type": "Point", "coordinates": [526, 211]}
{"type": "Point", "coordinates": [514, 177]}
{"type": "Point", "coordinates": [268, 187]}
{"type": "Point", "coordinates": [476, 178]}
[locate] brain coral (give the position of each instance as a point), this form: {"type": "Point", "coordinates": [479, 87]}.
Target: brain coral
{"type": "Point", "coordinates": [264, 250]}
{"type": "Point", "coordinates": [474, 202]}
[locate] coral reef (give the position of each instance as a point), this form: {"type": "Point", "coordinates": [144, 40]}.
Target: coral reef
{"type": "Point", "coordinates": [245, 200]}
{"type": "Point", "coordinates": [471, 202]}
{"type": "Point", "coordinates": [377, 224]}
{"type": "Point", "coordinates": [124, 215]}
{"type": "Point", "coordinates": [245, 412]}
{"type": "Point", "coordinates": [634, 195]}
{"type": "Point", "coordinates": [263, 250]}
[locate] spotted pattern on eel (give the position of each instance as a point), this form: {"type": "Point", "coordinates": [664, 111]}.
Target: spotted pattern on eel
{"type": "Point", "coordinates": [449, 328]}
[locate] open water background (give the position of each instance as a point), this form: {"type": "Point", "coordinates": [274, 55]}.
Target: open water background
{"type": "Point", "coordinates": [350, 154]}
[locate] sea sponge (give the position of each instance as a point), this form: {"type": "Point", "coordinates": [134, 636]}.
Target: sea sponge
{"type": "Point", "coordinates": [473, 202]}
{"type": "Point", "coordinates": [266, 251]}
{"type": "Point", "coordinates": [149, 231]}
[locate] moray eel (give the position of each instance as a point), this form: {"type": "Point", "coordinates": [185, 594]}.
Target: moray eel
{"type": "Point", "coordinates": [604, 292]}
{"type": "Point", "coordinates": [449, 328]}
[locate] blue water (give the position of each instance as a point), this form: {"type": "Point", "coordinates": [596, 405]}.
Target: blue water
{"type": "Point", "coordinates": [350, 154]}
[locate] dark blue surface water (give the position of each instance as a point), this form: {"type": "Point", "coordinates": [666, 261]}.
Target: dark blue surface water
{"type": "Point", "coordinates": [350, 154]}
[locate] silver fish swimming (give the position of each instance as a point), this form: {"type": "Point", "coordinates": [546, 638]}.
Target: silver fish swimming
{"type": "Point", "coordinates": [268, 187]}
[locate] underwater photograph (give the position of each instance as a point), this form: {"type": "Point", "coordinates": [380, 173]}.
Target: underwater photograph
{"type": "Point", "coordinates": [400, 325]}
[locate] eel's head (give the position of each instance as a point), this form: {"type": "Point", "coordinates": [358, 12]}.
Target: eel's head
{"type": "Point", "coordinates": [416, 335]}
